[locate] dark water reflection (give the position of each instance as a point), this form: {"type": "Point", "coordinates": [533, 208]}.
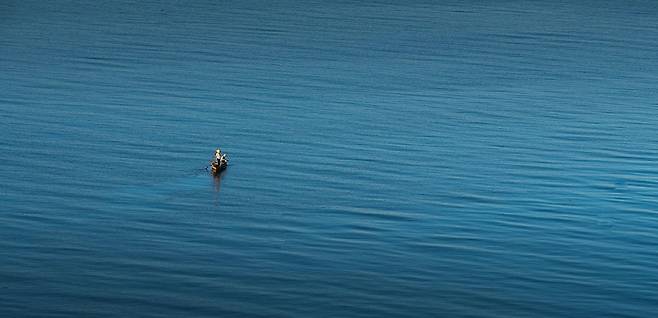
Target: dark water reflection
{"type": "Point", "coordinates": [217, 183]}
{"type": "Point", "coordinates": [388, 159]}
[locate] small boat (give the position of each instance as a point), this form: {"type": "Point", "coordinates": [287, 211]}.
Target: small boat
{"type": "Point", "coordinates": [220, 162]}
{"type": "Point", "coordinates": [218, 167]}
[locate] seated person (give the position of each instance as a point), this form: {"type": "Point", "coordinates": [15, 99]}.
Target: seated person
{"type": "Point", "coordinates": [218, 156]}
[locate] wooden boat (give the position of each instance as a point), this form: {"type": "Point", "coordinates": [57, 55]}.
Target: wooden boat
{"type": "Point", "coordinates": [218, 167]}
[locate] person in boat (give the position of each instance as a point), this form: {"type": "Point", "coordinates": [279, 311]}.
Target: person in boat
{"type": "Point", "coordinates": [218, 156]}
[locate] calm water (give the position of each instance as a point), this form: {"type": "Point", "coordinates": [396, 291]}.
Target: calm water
{"type": "Point", "coordinates": [390, 159]}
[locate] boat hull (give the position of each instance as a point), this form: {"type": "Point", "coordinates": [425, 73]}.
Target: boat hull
{"type": "Point", "coordinates": [217, 168]}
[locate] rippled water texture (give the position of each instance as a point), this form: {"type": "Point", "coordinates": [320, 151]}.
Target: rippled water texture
{"type": "Point", "coordinates": [389, 159]}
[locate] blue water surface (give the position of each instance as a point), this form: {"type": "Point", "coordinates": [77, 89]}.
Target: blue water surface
{"type": "Point", "coordinates": [388, 158]}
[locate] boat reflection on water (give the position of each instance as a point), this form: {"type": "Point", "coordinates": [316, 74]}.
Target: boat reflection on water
{"type": "Point", "coordinates": [217, 185]}
{"type": "Point", "coordinates": [217, 180]}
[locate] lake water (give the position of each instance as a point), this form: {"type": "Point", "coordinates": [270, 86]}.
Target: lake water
{"type": "Point", "coordinates": [388, 159]}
